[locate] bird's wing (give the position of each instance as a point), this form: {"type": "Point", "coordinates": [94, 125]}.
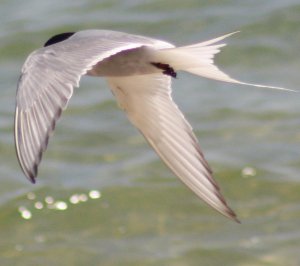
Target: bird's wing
{"type": "Point", "coordinates": [147, 101]}
{"type": "Point", "coordinates": [46, 85]}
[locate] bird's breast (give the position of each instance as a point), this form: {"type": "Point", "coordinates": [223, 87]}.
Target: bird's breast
{"type": "Point", "coordinates": [131, 62]}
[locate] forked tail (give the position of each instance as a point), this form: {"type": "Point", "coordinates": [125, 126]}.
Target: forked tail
{"type": "Point", "coordinates": [198, 59]}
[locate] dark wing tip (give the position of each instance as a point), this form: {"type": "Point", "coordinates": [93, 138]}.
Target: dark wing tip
{"type": "Point", "coordinates": [34, 173]}
{"type": "Point", "coordinates": [232, 215]}
{"type": "Point", "coordinates": [32, 178]}
{"type": "Point", "coordinates": [237, 220]}
{"type": "Point", "coordinates": [30, 173]}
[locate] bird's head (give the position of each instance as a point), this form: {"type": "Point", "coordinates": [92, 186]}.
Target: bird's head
{"type": "Point", "coordinates": [58, 38]}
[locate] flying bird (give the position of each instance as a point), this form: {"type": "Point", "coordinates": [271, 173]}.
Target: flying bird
{"type": "Point", "coordinates": [139, 71]}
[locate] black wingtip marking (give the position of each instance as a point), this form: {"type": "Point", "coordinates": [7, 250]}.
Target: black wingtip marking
{"type": "Point", "coordinates": [167, 69]}
{"type": "Point", "coordinates": [32, 178]}
{"type": "Point", "coordinates": [237, 220]}
{"type": "Point", "coordinates": [233, 216]}
{"type": "Point", "coordinates": [58, 38]}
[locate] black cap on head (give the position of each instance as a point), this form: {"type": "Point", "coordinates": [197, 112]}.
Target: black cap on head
{"type": "Point", "coordinates": [58, 38]}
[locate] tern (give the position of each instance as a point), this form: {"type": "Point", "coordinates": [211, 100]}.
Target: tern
{"type": "Point", "coordinates": [138, 70]}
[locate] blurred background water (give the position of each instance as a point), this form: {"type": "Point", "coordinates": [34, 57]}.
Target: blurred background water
{"type": "Point", "coordinates": [104, 198]}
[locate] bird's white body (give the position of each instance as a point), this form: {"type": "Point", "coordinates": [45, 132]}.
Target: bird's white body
{"type": "Point", "coordinates": [139, 71]}
{"type": "Point", "coordinates": [130, 63]}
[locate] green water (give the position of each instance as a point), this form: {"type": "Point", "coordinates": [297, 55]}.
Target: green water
{"type": "Point", "coordinates": [144, 215]}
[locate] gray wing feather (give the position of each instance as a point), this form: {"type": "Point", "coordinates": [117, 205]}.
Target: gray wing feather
{"type": "Point", "coordinates": [46, 85]}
